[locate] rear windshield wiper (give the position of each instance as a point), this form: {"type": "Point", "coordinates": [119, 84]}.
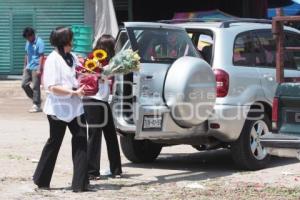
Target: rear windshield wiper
{"type": "Point", "coordinates": [163, 59]}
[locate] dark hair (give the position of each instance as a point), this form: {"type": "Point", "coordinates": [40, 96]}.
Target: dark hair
{"type": "Point", "coordinates": [107, 43]}
{"type": "Point", "coordinates": [27, 32]}
{"type": "Point", "coordinates": [61, 37]}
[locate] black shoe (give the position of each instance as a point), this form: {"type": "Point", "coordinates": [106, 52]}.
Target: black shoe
{"type": "Point", "coordinates": [40, 187]}
{"type": "Point", "coordinates": [116, 176]}
{"type": "Point", "coordinates": [79, 190]}
{"type": "Point", "coordinates": [94, 177]}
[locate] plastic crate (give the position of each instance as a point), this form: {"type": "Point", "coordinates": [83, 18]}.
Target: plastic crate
{"type": "Point", "coordinates": [82, 29]}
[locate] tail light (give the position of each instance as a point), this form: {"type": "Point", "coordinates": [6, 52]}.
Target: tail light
{"type": "Point", "coordinates": [275, 113]}
{"type": "Point", "coordinates": [111, 82]}
{"type": "Point", "coordinates": [222, 79]}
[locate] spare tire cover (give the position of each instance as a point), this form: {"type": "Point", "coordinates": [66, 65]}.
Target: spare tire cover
{"type": "Point", "coordinates": [190, 91]}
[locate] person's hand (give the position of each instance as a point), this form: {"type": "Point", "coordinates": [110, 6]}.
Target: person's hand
{"type": "Point", "coordinates": [79, 92]}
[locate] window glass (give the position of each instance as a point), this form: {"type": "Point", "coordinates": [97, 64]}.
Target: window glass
{"type": "Point", "coordinates": [122, 39]}
{"type": "Point", "coordinates": [245, 50]}
{"type": "Point", "coordinates": [205, 44]}
{"type": "Point", "coordinates": [268, 47]}
{"type": "Point", "coordinates": [163, 45]}
{"type": "Point", "coordinates": [292, 59]}
{"type": "Point", "coordinates": [203, 41]}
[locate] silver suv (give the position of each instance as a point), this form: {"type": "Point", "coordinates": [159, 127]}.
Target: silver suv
{"type": "Point", "coordinates": [205, 84]}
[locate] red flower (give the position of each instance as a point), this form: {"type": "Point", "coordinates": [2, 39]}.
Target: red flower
{"type": "Point", "coordinates": [90, 55]}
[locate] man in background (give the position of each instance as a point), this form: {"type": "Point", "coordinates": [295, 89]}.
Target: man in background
{"type": "Point", "coordinates": [32, 67]}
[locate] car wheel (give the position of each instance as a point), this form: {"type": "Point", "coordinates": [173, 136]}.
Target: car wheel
{"type": "Point", "coordinates": [247, 151]}
{"type": "Point", "coordinates": [139, 151]}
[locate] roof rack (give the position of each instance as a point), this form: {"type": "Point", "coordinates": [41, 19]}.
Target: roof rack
{"type": "Point", "coordinates": [225, 23]}
{"type": "Point", "coordinates": [170, 21]}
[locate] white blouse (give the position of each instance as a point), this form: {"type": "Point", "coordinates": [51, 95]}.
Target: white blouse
{"type": "Point", "coordinates": [57, 72]}
{"type": "Point", "coordinates": [103, 92]}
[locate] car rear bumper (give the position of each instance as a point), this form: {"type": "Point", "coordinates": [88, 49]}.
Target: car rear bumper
{"type": "Point", "coordinates": [169, 130]}
{"type": "Point", "coordinates": [230, 118]}
{"type": "Point", "coordinates": [282, 145]}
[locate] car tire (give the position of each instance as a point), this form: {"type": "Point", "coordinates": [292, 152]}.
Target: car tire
{"type": "Point", "coordinates": [139, 151]}
{"type": "Point", "coordinates": [247, 151]}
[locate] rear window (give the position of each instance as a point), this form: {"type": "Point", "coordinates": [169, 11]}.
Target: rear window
{"type": "Point", "coordinates": [162, 45]}
{"type": "Point", "coordinates": [268, 49]}
{"type": "Point", "coordinates": [258, 48]}
{"type": "Point", "coordinates": [246, 51]}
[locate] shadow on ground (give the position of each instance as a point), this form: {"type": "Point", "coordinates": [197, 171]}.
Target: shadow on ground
{"type": "Point", "coordinates": [196, 166]}
{"type": "Point", "coordinates": [199, 166]}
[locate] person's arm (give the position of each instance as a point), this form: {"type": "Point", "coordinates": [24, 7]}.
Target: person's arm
{"type": "Point", "coordinates": [25, 61]}
{"type": "Point", "coordinates": [41, 63]}
{"type": "Point", "coordinates": [41, 49]}
{"type": "Point", "coordinates": [26, 56]}
{"type": "Point", "coordinates": [62, 91]}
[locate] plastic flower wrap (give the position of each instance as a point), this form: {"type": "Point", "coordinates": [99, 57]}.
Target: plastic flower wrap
{"type": "Point", "coordinates": [123, 62]}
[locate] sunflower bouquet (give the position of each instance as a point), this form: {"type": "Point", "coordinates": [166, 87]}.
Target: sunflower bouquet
{"type": "Point", "coordinates": [123, 62]}
{"type": "Point", "coordinates": [96, 66]}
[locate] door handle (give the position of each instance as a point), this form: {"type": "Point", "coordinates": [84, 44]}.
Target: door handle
{"type": "Point", "coordinates": [149, 77]}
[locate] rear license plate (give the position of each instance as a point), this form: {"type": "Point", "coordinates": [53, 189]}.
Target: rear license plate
{"type": "Point", "coordinates": [152, 122]}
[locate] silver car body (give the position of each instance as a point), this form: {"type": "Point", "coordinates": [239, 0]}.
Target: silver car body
{"type": "Point", "coordinates": [248, 85]}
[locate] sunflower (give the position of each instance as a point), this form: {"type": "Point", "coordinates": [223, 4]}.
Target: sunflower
{"type": "Point", "coordinates": [90, 65]}
{"type": "Point", "coordinates": [100, 54]}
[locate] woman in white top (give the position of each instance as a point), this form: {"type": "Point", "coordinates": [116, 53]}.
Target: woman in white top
{"type": "Point", "coordinates": [99, 118]}
{"type": "Point", "coordinates": [64, 108]}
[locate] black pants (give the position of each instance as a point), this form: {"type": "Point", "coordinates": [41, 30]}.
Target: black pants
{"type": "Point", "coordinates": [45, 167]}
{"type": "Point", "coordinates": [99, 118]}
{"type": "Point", "coordinates": [33, 93]}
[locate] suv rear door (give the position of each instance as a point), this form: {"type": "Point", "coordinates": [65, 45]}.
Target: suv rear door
{"type": "Point", "coordinates": [158, 45]}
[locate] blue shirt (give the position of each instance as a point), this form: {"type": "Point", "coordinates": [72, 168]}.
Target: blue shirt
{"type": "Point", "coordinates": [34, 51]}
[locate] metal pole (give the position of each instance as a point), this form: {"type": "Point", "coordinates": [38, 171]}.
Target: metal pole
{"type": "Point", "coordinates": [279, 38]}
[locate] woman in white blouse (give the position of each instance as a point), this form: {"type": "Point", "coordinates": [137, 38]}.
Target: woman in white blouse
{"type": "Point", "coordinates": [64, 109]}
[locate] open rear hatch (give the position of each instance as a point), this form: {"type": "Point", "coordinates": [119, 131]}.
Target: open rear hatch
{"type": "Point", "coordinates": [175, 88]}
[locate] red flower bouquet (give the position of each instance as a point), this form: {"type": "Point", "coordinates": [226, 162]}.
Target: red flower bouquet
{"type": "Point", "coordinates": [89, 71]}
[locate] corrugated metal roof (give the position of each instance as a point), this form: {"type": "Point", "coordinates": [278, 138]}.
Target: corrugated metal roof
{"type": "Point", "coordinates": [46, 15]}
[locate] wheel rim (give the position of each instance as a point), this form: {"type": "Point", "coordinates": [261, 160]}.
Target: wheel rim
{"type": "Point", "coordinates": [258, 129]}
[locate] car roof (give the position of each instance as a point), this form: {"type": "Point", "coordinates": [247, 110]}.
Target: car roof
{"type": "Point", "coordinates": [218, 25]}
{"type": "Point", "coordinates": [239, 26]}
{"type": "Point", "coordinates": [151, 25]}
